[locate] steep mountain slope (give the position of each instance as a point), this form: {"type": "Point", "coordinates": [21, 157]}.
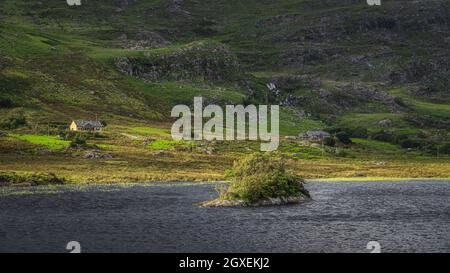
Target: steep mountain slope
{"type": "Point", "coordinates": [336, 63]}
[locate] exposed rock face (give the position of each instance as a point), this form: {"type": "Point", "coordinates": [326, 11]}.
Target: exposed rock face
{"type": "Point", "coordinates": [143, 40]}
{"type": "Point", "coordinates": [121, 5]}
{"type": "Point", "coordinates": [385, 123]}
{"type": "Point", "coordinates": [332, 100]}
{"type": "Point", "coordinates": [289, 82]}
{"type": "Point", "coordinates": [307, 56]}
{"type": "Point", "coordinates": [176, 7]}
{"type": "Point", "coordinates": [197, 62]}
{"type": "Point", "coordinates": [265, 202]}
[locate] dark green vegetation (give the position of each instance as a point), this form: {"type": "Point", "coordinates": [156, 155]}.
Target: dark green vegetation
{"type": "Point", "coordinates": [24, 179]}
{"type": "Point", "coordinates": [377, 78]}
{"type": "Point", "coordinates": [339, 63]}
{"type": "Point", "coordinates": [260, 177]}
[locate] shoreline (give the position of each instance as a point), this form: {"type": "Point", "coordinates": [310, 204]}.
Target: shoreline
{"type": "Point", "coordinates": [376, 179]}
{"type": "Point", "coordinates": [196, 182]}
{"type": "Point", "coordinates": [176, 183]}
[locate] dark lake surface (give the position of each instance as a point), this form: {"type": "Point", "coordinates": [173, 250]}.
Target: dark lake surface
{"type": "Point", "coordinates": [403, 216]}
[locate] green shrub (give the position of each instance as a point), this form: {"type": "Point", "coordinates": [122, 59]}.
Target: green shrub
{"type": "Point", "coordinates": [13, 120]}
{"type": "Point", "coordinates": [341, 153]}
{"type": "Point", "coordinates": [399, 101]}
{"type": "Point", "coordinates": [6, 103]}
{"type": "Point", "coordinates": [334, 130]}
{"type": "Point", "coordinates": [409, 143]}
{"type": "Point", "coordinates": [261, 176]}
{"type": "Point", "coordinates": [344, 138]}
{"type": "Point", "coordinates": [78, 141]}
{"type": "Point", "coordinates": [430, 147]}
{"type": "Point", "coordinates": [329, 141]}
{"type": "Point", "coordinates": [73, 135]}
{"type": "Point", "coordinates": [383, 136]}
{"type": "Point", "coordinates": [399, 138]}
{"type": "Point", "coordinates": [444, 148]}
{"type": "Point", "coordinates": [359, 132]}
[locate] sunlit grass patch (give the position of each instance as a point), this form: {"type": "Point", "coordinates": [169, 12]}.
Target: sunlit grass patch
{"type": "Point", "coordinates": [169, 144]}
{"type": "Point", "coordinates": [151, 131]}
{"type": "Point", "coordinates": [51, 142]}
{"type": "Point", "coordinates": [105, 146]}
{"type": "Point", "coordinates": [376, 145]}
{"type": "Point", "coordinates": [372, 122]}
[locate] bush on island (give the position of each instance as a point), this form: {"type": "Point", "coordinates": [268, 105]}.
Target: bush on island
{"type": "Point", "coordinates": [261, 176]}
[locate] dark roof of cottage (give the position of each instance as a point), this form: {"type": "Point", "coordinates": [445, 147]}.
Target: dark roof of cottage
{"type": "Point", "coordinates": [88, 123]}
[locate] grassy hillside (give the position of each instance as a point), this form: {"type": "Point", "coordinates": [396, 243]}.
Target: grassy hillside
{"type": "Point", "coordinates": [380, 74]}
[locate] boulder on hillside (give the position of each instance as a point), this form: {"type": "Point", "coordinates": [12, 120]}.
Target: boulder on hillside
{"type": "Point", "coordinates": [143, 40]}
{"type": "Point", "coordinates": [385, 123]}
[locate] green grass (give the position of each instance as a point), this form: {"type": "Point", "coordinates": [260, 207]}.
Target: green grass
{"type": "Point", "coordinates": [376, 145]}
{"type": "Point", "coordinates": [370, 121]}
{"type": "Point", "coordinates": [56, 62]}
{"type": "Point", "coordinates": [172, 93]}
{"type": "Point", "coordinates": [420, 105]}
{"type": "Point", "coordinates": [150, 131]}
{"type": "Point", "coordinates": [169, 144]}
{"type": "Point", "coordinates": [110, 53]}
{"type": "Point", "coordinates": [292, 125]}
{"type": "Point", "coordinates": [106, 146]}
{"type": "Point", "coordinates": [50, 142]}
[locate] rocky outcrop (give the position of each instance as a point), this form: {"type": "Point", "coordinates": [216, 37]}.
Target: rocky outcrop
{"type": "Point", "coordinates": [334, 99]}
{"type": "Point", "coordinates": [121, 5]}
{"type": "Point", "coordinates": [265, 202]}
{"type": "Point", "coordinates": [96, 155]}
{"type": "Point", "coordinates": [199, 61]}
{"type": "Point", "coordinates": [142, 41]}
{"type": "Point", "coordinates": [176, 7]}
{"type": "Point", "coordinates": [385, 123]}
{"type": "Point", "coordinates": [292, 82]}
{"type": "Point", "coordinates": [308, 56]}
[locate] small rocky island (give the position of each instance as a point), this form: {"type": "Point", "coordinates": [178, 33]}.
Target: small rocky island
{"type": "Point", "coordinates": [260, 180]}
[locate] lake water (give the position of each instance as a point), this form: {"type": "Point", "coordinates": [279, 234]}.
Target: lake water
{"type": "Point", "coordinates": [403, 216]}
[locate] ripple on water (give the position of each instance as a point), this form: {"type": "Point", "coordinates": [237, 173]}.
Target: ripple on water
{"type": "Point", "coordinates": [404, 216]}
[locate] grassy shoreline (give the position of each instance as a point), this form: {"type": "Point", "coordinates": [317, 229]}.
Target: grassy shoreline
{"type": "Point", "coordinates": [139, 152]}
{"type": "Point", "coordinates": [377, 179]}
